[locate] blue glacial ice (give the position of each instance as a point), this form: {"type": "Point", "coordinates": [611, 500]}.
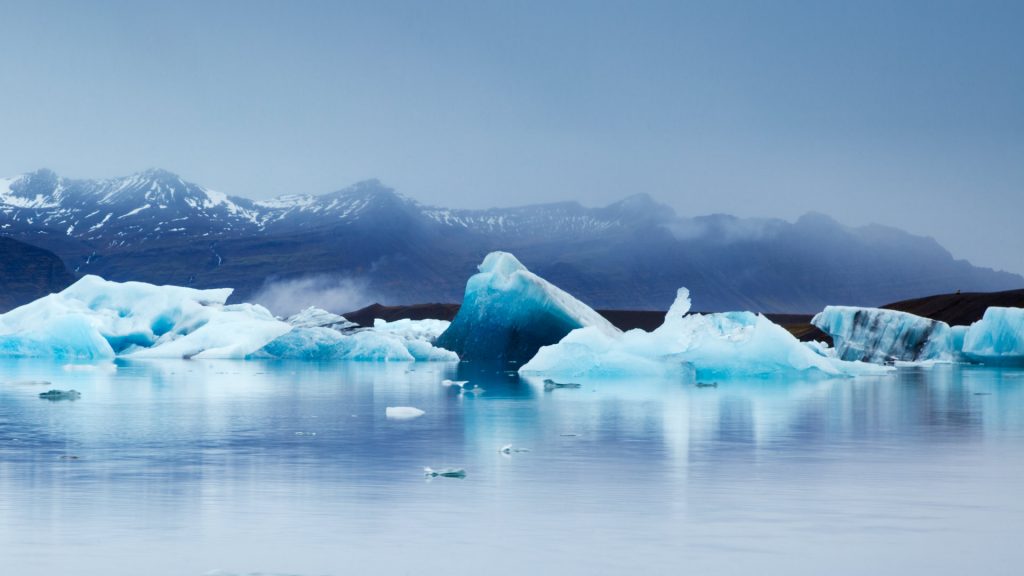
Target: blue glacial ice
{"type": "Point", "coordinates": [704, 346]}
{"type": "Point", "coordinates": [878, 335]}
{"type": "Point", "coordinates": [508, 313]}
{"type": "Point", "coordinates": [881, 336]}
{"type": "Point", "coordinates": [397, 341]}
{"type": "Point", "coordinates": [998, 338]}
{"type": "Point", "coordinates": [95, 319]}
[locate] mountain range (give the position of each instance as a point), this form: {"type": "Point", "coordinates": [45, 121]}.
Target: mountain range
{"type": "Point", "coordinates": [633, 254]}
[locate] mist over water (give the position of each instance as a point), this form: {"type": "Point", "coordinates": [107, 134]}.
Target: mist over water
{"type": "Point", "coordinates": [333, 293]}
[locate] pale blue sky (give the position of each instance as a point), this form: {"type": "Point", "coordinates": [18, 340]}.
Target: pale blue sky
{"type": "Point", "coordinates": [902, 113]}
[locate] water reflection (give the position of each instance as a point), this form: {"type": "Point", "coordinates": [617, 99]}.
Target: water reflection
{"type": "Point", "coordinates": [236, 460]}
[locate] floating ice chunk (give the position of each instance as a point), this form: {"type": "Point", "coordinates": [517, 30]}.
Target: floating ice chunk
{"type": "Point", "coordinates": [427, 330]}
{"type": "Point", "coordinates": [550, 384]}
{"type": "Point", "coordinates": [236, 331]}
{"type": "Point", "coordinates": [314, 317]}
{"type": "Point", "coordinates": [454, 383]}
{"type": "Point", "coordinates": [402, 412]}
{"type": "Point", "coordinates": [366, 345]}
{"type": "Point", "coordinates": [879, 335]}
{"type": "Point", "coordinates": [444, 472]}
{"type": "Point", "coordinates": [509, 449]}
{"type": "Point", "coordinates": [55, 395]}
{"type": "Point", "coordinates": [896, 337]}
{"type": "Point", "coordinates": [998, 338]}
{"type": "Point", "coordinates": [111, 367]}
{"type": "Point", "coordinates": [508, 313]}
{"type": "Point", "coordinates": [702, 346]}
{"type": "Point", "coordinates": [96, 319]}
{"type": "Point", "coordinates": [821, 348]}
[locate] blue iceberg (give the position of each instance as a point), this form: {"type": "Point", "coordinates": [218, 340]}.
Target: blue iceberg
{"type": "Point", "coordinates": [95, 319]}
{"type": "Point", "coordinates": [998, 338]}
{"type": "Point", "coordinates": [398, 341]}
{"type": "Point", "coordinates": [884, 336]}
{"type": "Point", "coordinates": [508, 313]}
{"type": "Point", "coordinates": [702, 346]}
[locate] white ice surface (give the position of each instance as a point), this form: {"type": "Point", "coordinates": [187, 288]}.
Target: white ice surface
{"type": "Point", "coordinates": [705, 346]}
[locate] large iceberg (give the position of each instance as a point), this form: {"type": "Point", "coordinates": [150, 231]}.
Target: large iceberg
{"type": "Point", "coordinates": [998, 338]}
{"type": "Point", "coordinates": [95, 319]}
{"type": "Point", "coordinates": [508, 313]}
{"type": "Point", "coordinates": [878, 335]}
{"type": "Point", "coordinates": [883, 336]}
{"type": "Point", "coordinates": [706, 346]}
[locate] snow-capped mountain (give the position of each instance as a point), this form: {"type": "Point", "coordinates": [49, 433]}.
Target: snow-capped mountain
{"type": "Point", "coordinates": [157, 204]}
{"type": "Point", "coordinates": [158, 227]}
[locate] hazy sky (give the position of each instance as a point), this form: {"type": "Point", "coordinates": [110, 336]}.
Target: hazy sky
{"type": "Point", "coordinates": [902, 113]}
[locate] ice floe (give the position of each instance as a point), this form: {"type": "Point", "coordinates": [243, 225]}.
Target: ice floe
{"type": "Point", "coordinates": [702, 346]}
{"type": "Point", "coordinates": [508, 313]}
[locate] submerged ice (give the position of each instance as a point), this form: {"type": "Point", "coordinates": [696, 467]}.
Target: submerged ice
{"type": "Point", "coordinates": [95, 319]}
{"type": "Point", "coordinates": [508, 313]}
{"type": "Point", "coordinates": [705, 346]}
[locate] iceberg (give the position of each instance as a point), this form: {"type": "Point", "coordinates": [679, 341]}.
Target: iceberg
{"type": "Point", "coordinates": [508, 313]}
{"type": "Point", "coordinates": [998, 338]}
{"type": "Point", "coordinates": [889, 336]}
{"type": "Point", "coordinates": [95, 319]}
{"type": "Point", "coordinates": [702, 346]}
{"type": "Point", "coordinates": [878, 335]}
{"type": "Point", "coordinates": [314, 317]}
{"type": "Point", "coordinates": [325, 344]}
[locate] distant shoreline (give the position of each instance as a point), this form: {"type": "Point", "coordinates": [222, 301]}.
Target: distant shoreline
{"type": "Point", "coordinates": [956, 309]}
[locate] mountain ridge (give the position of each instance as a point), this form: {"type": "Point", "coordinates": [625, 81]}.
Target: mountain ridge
{"type": "Point", "coordinates": [156, 226]}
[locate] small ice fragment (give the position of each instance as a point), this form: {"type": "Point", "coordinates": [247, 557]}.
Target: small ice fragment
{"type": "Point", "coordinates": [550, 384]}
{"type": "Point", "coordinates": [60, 395]}
{"type": "Point", "coordinates": [402, 412]}
{"type": "Point", "coordinates": [458, 383]}
{"type": "Point", "coordinates": [68, 457]}
{"type": "Point", "coordinates": [444, 472]}
{"type": "Point", "coordinates": [509, 449]}
{"type": "Point", "coordinates": [110, 367]}
{"type": "Point", "coordinates": [475, 390]}
{"type": "Point", "coordinates": [707, 384]}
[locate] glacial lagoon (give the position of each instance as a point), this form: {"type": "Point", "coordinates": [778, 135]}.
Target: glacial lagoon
{"type": "Point", "coordinates": [218, 467]}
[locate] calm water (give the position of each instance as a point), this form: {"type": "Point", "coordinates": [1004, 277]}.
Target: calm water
{"type": "Point", "coordinates": [193, 468]}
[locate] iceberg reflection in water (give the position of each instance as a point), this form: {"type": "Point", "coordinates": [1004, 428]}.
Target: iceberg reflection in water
{"type": "Point", "coordinates": [188, 467]}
